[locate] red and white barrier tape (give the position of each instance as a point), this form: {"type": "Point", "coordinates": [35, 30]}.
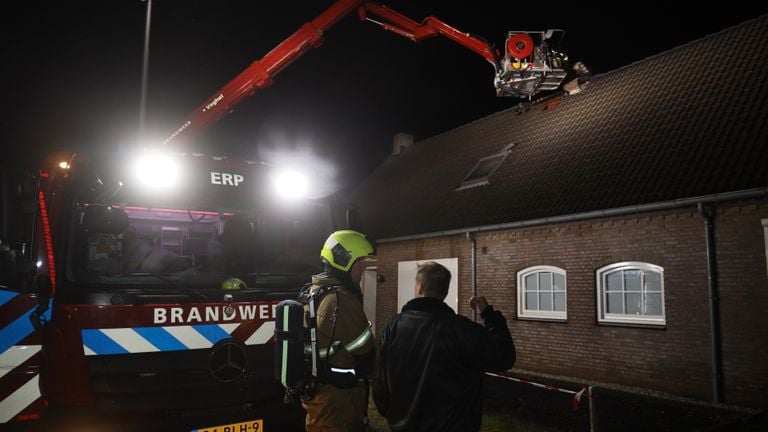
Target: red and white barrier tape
{"type": "Point", "coordinates": [576, 394]}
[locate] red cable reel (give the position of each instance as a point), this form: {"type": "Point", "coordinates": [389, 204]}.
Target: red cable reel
{"type": "Point", "coordinates": [519, 46]}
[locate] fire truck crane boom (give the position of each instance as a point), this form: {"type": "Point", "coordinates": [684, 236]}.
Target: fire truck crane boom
{"type": "Point", "coordinates": [429, 27]}
{"type": "Point", "coordinates": [259, 74]}
{"type": "Point", "coordinates": [526, 68]}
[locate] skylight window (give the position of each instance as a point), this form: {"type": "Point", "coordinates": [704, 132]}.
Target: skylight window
{"type": "Point", "coordinates": [484, 168]}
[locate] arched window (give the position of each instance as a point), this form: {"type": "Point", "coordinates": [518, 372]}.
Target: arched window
{"type": "Point", "coordinates": [631, 293]}
{"type": "Point", "coordinates": [541, 293]}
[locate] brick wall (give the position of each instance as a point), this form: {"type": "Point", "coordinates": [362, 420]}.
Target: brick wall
{"type": "Point", "coordinates": [675, 359]}
{"type": "Point", "coordinates": [743, 280]}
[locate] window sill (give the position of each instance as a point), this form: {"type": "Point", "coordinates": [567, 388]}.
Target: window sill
{"type": "Point", "coordinates": [547, 319]}
{"type": "Point", "coordinates": [661, 326]}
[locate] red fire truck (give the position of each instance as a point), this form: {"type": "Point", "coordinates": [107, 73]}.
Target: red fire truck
{"type": "Point", "coordinates": [141, 287]}
{"type": "Point", "coordinates": [160, 277]}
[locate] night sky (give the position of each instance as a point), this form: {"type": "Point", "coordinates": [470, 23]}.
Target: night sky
{"type": "Point", "coordinates": [71, 71]}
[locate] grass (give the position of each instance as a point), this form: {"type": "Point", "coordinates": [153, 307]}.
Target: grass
{"type": "Point", "coordinates": [495, 422]}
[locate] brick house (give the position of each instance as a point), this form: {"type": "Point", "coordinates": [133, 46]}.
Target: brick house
{"type": "Point", "coordinates": [589, 220]}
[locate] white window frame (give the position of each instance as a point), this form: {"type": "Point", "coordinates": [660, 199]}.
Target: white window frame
{"type": "Point", "coordinates": [604, 317]}
{"type": "Point", "coordinates": [523, 312]}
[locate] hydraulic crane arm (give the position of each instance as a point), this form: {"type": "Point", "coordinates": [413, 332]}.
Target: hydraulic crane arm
{"type": "Point", "coordinates": [525, 69]}
{"type": "Point", "coordinates": [259, 74]}
{"type": "Point", "coordinates": [429, 27]}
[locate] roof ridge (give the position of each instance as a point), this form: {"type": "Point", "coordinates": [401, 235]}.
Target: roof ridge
{"type": "Point", "coordinates": [684, 45]}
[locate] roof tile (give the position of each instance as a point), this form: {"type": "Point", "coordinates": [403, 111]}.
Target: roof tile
{"type": "Point", "coordinates": [687, 122]}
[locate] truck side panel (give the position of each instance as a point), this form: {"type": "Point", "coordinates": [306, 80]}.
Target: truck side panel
{"type": "Point", "coordinates": [20, 354]}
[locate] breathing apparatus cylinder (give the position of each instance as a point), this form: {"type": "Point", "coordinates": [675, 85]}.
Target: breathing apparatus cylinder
{"type": "Point", "coordinates": [289, 343]}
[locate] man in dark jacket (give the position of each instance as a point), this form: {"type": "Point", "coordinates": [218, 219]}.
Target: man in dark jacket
{"type": "Point", "coordinates": [430, 361]}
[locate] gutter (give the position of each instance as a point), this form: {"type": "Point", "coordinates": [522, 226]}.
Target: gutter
{"type": "Point", "coordinates": [574, 217]}
{"type": "Point", "coordinates": [708, 213]}
{"type": "Point", "coordinates": [471, 238]}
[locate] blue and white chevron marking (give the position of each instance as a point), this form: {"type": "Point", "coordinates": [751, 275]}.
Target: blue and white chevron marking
{"type": "Point", "coordinates": [133, 340]}
{"type": "Point", "coordinates": [19, 349]}
{"type": "Point", "coordinates": [27, 392]}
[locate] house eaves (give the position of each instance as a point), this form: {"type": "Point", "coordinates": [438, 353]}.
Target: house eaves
{"type": "Point", "coordinates": [576, 217]}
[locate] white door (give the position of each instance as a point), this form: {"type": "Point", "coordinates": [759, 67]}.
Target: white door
{"type": "Point", "coordinates": [369, 295]}
{"type": "Point", "coordinates": [406, 281]}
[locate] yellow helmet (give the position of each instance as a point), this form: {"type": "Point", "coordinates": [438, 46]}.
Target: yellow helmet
{"type": "Point", "coordinates": [344, 247]}
{"type": "Point", "coordinates": [233, 283]}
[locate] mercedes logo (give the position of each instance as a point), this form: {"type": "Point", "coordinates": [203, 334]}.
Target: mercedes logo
{"type": "Point", "coordinates": [228, 360]}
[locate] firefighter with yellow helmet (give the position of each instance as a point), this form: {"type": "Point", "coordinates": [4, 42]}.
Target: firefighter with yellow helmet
{"type": "Point", "coordinates": [344, 340]}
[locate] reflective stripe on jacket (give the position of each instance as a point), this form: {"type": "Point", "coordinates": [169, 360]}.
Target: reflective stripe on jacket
{"type": "Point", "coordinates": [352, 333]}
{"type": "Point", "coordinates": [356, 344]}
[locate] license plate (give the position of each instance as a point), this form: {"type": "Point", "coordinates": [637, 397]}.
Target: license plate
{"type": "Point", "coordinates": [249, 426]}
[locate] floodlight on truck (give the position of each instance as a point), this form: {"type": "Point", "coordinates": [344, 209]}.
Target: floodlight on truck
{"type": "Point", "coordinates": [290, 184]}
{"type": "Point", "coordinates": [156, 171]}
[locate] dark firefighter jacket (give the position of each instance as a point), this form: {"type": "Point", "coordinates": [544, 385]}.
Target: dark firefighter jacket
{"type": "Point", "coordinates": [430, 365]}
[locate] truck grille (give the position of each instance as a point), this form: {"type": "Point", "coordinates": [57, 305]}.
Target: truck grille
{"type": "Point", "coordinates": [228, 376]}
